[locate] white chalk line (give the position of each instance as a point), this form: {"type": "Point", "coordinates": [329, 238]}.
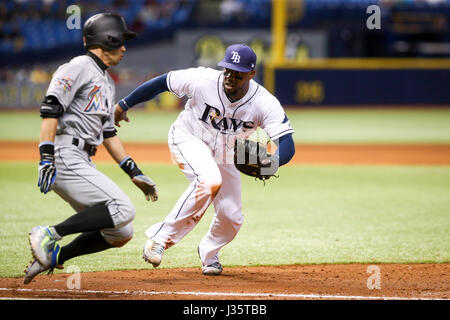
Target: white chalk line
{"type": "Point", "coordinates": [219, 294]}
{"type": "Point", "coordinates": [26, 299]}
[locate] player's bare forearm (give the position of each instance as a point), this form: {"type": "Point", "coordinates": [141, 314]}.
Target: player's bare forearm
{"type": "Point", "coordinates": [48, 129]}
{"type": "Point", "coordinates": [115, 148]}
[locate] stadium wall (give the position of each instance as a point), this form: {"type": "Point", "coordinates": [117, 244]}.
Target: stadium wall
{"type": "Point", "coordinates": [356, 82]}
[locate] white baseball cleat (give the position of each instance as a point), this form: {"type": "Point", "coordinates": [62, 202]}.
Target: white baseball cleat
{"type": "Point", "coordinates": [35, 267]}
{"type": "Point", "coordinates": [153, 252]}
{"type": "Point", "coordinates": [212, 269]}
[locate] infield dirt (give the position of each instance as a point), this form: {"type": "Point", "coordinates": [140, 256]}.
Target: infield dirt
{"type": "Point", "coordinates": [348, 281]}
{"type": "Point", "coordinates": [350, 154]}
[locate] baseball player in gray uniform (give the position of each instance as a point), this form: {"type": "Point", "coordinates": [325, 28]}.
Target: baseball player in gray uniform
{"type": "Point", "coordinates": [78, 115]}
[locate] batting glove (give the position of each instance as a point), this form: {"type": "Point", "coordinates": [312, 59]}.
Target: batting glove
{"type": "Point", "coordinates": [147, 186]}
{"type": "Point", "coordinates": [143, 182]}
{"type": "Point", "coordinates": [47, 169]}
{"type": "Point", "coordinates": [47, 175]}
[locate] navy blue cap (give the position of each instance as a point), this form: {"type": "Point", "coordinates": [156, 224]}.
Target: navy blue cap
{"type": "Point", "coordinates": [239, 57]}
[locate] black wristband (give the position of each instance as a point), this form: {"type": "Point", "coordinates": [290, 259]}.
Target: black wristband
{"type": "Point", "coordinates": [130, 167]}
{"type": "Point", "coordinates": [47, 152]}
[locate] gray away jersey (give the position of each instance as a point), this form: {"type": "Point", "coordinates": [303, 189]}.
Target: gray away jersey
{"type": "Point", "coordinates": [87, 95]}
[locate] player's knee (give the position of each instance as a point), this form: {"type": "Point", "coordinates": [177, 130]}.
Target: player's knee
{"type": "Point", "coordinates": [213, 187]}
{"type": "Point", "coordinates": [211, 184]}
{"type": "Point", "coordinates": [121, 242]}
{"type": "Point", "coordinates": [130, 212]}
{"type": "Point", "coordinates": [126, 235]}
{"type": "Point", "coordinates": [237, 223]}
{"type": "Point", "coordinates": [122, 211]}
{"type": "Point", "coordinates": [118, 237]}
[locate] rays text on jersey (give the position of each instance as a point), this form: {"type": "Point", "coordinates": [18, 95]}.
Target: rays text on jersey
{"type": "Point", "coordinates": [212, 115]}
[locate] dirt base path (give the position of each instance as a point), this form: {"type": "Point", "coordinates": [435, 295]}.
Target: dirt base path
{"type": "Point", "coordinates": [300, 282]}
{"type": "Point", "coordinates": [305, 154]}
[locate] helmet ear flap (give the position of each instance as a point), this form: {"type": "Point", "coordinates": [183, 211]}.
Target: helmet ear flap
{"type": "Point", "coordinates": [114, 41]}
{"type": "Point", "coordinates": [88, 40]}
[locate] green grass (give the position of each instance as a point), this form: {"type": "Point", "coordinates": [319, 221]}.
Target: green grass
{"type": "Point", "coordinates": [311, 126]}
{"type": "Point", "coordinates": [310, 215]}
{"type": "Point", "coordinates": [372, 126]}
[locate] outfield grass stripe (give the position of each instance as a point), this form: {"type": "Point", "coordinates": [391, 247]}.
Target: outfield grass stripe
{"type": "Point", "coordinates": [220, 294]}
{"type": "Point", "coordinates": [426, 125]}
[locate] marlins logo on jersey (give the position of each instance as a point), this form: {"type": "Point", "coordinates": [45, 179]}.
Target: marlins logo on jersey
{"type": "Point", "coordinates": [95, 100]}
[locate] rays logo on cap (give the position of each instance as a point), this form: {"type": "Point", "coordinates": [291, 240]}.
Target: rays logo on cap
{"type": "Point", "coordinates": [239, 57]}
{"type": "Point", "coordinates": [235, 57]}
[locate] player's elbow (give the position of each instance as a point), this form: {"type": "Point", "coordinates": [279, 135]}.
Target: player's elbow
{"type": "Point", "coordinates": [291, 151]}
{"type": "Point", "coordinates": [289, 156]}
{"type": "Point", "coordinates": [286, 149]}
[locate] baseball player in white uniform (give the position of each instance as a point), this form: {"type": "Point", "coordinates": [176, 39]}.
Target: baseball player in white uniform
{"type": "Point", "coordinates": [221, 106]}
{"type": "Point", "coordinates": [77, 115]}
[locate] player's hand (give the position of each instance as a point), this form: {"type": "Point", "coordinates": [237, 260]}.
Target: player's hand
{"type": "Point", "coordinates": [47, 175]}
{"type": "Point", "coordinates": [119, 115]}
{"type": "Point", "coordinates": [147, 186]}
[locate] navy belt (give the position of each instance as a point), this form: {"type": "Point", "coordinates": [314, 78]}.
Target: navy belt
{"type": "Point", "coordinates": [89, 148]}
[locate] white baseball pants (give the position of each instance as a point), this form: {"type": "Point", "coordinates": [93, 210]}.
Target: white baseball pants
{"type": "Point", "coordinates": [209, 182]}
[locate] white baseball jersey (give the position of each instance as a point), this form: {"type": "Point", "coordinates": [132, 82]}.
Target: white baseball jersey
{"type": "Point", "coordinates": [87, 95]}
{"type": "Point", "coordinates": [210, 116]}
{"type": "Point", "coordinates": [207, 127]}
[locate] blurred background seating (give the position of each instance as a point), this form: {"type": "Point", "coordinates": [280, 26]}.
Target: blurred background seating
{"type": "Point", "coordinates": [34, 36]}
{"type": "Point", "coordinates": [29, 26]}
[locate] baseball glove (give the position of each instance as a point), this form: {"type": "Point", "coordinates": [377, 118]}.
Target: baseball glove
{"type": "Point", "coordinates": [251, 158]}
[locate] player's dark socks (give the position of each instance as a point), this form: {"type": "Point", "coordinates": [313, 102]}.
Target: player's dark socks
{"type": "Point", "coordinates": [85, 243]}
{"type": "Point", "coordinates": [91, 219]}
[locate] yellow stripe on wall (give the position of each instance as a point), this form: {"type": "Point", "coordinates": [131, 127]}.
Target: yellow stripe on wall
{"type": "Point", "coordinates": [278, 30]}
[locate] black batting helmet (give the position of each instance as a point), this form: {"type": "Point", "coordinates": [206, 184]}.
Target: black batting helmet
{"type": "Point", "coordinates": [107, 30]}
